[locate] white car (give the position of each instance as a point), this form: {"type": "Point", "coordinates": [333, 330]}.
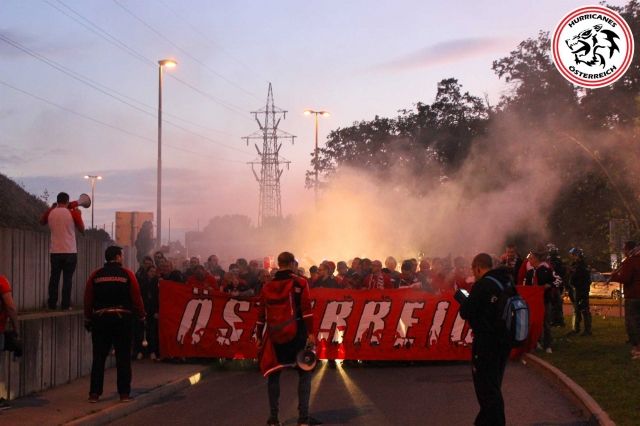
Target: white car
{"type": "Point", "coordinates": [603, 289]}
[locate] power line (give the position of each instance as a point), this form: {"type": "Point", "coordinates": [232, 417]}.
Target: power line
{"type": "Point", "coordinates": [112, 126]}
{"type": "Point", "coordinates": [185, 52]}
{"type": "Point", "coordinates": [122, 46]}
{"type": "Point", "coordinates": [64, 70]}
{"type": "Point", "coordinates": [213, 42]}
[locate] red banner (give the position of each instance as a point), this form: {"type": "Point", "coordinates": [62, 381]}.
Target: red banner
{"type": "Point", "coordinates": [402, 324]}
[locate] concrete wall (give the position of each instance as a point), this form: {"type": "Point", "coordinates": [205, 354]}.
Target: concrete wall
{"type": "Point", "coordinates": [57, 347]}
{"type": "Point", "coordinates": [57, 350]}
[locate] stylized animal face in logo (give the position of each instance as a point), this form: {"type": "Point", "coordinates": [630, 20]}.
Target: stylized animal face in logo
{"type": "Point", "coordinates": [593, 46]}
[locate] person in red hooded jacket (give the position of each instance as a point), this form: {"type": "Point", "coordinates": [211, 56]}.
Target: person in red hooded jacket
{"type": "Point", "coordinates": [629, 275]}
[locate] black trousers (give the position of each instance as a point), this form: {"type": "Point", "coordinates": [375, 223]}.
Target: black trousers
{"type": "Point", "coordinates": [107, 330]}
{"type": "Point", "coordinates": [61, 264]}
{"type": "Point", "coordinates": [489, 356]}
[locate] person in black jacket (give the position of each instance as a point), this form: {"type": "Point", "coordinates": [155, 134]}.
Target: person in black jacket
{"type": "Point", "coordinates": [150, 293]}
{"type": "Point", "coordinates": [490, 350]}
{"type": "Point", "coordinates": [559, 268]}
{"type": "Point", "coordinates": [542, 275]}
{"type": "Point", "coordinates": [111, 303]}
{"type": "Point", "coordinates": [579, 285]}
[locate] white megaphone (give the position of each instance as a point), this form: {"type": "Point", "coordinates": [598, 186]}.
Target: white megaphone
{"type": "Point", "coordinates": [306, 359]}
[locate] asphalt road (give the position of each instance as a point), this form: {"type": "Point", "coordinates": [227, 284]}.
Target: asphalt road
{"type": "Point", "coordinates": [430, 394]}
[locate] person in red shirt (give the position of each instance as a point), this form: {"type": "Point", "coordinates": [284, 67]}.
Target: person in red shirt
{"type": "Point", "coordinates": [377, 280]}
{"type": "Point", "coordinates": [7, 311]}
{"type": "Point", "coordinates": [62, 222]}
{"type": "Point", "coordinates": [202, 279]}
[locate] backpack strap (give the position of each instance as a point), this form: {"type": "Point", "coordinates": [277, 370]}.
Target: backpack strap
{"type": "Point", "coordinates": [499, 284]}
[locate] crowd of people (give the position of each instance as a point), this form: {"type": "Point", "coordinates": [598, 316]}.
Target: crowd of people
{"type": "Point", "coordinates": [437, 275]}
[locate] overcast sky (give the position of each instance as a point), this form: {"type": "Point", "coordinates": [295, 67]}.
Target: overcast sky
{"type": "Point", "coordinates": [356, 59]}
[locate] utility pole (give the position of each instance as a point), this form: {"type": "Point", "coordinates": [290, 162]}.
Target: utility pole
{"type": "Point", "coordinates": [270, 207]}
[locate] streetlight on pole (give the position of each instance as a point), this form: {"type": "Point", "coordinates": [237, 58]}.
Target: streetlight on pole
{"type": "Point", "coordinates": [170, 63]}
{"type": "Point", "coordinates": [326, 114]}
{"type": "Point", "coordinates": [93, 192]}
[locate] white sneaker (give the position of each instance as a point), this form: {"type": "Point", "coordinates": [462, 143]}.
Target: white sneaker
{"type": "Point", "coordinates": [538, 346]}
{"type": "Point", "coordinates": [139, 356]}
{"type": "Point", "coordinates": [152, 356]}
{"type": "Point", "coordinates": [548, 350]}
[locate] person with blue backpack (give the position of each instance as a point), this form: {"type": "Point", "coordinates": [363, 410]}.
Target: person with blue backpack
{"type": "Point", "coordinates": [492, 341]}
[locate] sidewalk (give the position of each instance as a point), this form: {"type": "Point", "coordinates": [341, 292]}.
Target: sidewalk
{"type": "Point", "coordinates": [63, 404]}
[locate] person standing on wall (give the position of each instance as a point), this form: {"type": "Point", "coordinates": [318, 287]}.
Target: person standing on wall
{"type": "Point", "coordinates": [111, 302]}
{"type": "Point", "coordinates": [62, 222]}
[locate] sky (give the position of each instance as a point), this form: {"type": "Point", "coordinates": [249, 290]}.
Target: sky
{"type": "Point", "coordinates": [356, 59]}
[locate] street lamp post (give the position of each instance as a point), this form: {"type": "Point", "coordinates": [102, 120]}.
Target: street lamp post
{"type": "Point", "coordinates": [163, 63]}
{"type": "Point", "coordinates": [93, 192]}
{"type": "Point", "coordinates": [326, 114]}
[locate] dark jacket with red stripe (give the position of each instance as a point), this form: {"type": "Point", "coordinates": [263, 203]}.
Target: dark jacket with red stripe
{"type": "Point", "coordinates": [113, 286]}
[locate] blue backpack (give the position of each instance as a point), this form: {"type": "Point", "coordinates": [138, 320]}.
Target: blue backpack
{"type": "Point", "coordinates": [515, 313]}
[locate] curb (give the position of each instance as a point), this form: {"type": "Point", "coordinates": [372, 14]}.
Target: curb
{"type": "Point", "coordinates": [597, 416]}
{"type": "Point", "coordinates": [119, 411]}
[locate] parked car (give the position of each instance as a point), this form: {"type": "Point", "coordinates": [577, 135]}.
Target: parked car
{"type": "Point", "coordinates": [603, 289]}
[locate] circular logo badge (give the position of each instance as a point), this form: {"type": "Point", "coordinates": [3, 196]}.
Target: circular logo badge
{"type": "Point", "coordinates": [592, 46]}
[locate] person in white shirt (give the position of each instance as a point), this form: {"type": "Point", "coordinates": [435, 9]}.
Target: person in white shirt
{"type": "Point", "coordinates": [62, 222]}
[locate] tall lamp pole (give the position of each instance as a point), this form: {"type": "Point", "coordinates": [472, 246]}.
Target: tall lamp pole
{"type": "Point", "coordinates": [326, 114]}
{"type": "Point", "coordinates": [170, 64]}
{"type": "Point", "coordinates": [93, 192]}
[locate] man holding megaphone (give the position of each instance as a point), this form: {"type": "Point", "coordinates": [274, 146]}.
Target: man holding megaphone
{"type": "Point", "coordinates": [63, 219]}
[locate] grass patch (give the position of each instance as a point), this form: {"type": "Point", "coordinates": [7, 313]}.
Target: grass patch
{"type": "Point", "coordinates": [602, 365]}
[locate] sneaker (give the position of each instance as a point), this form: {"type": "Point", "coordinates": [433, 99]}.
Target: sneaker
{"type": "Point", "coordinates": [152, 357]}
{"type": "Point", "coordinates": [68, 308]}
{"type": "Point", "coordinates": [585, 333]}
{"type": "Point", "coordinates": [636, 356]}
{"type": "Point", "coordinates": [125, 397]}
{"type": "Point", "coordinates": [548, 350]}
{"type": "Point", "coordinates": [273, 421]}
{"type": "Point", "coordinates": [139, 356]}
{"type": "Point", "coordinates": [573, 332]}
{"type": "Point", "coordinates": [538, 346]}
{"type": "Point", "coordinates": [93, 398]}
{"type": "Point", "coordinates": [4, 405]}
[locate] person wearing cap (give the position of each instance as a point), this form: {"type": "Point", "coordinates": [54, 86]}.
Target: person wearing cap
{"type": "Point", "coordinates": [629, 275]}
{"type": "Point", "coordinates": [409, 279]}
{"type": "Point", "coordinates": [351, 280]}
{"type": "Point", "coordinates": [579, 285]}
{"type": "Point", "coordinates": [342, 271]}
{"type": "Point", "coordinates": [331, 266]}
{"type": "Point", "coordinates": [112, 301]}
{"type": "Point", "coordinates": [377, 280]}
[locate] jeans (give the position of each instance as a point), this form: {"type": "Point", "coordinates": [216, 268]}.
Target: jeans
{"type": "Point", "coordinates": [106, 331]}
{"type": "Point", "coordinates": [65, 264]}
{"type": "Point", "coordinates": [304, 392]}
{"type": "Point", "coordinates": [632, 320]}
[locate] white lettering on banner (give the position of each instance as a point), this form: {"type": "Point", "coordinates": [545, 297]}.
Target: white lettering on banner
{"type": "Point", "coordinates": [406, 321]}
{"type": "Point", "coordinates": [456, 332]}
{"type": "Point", "coordinates": [228, 335]}
{"type": "Point", "coordinates": [334, 320]}
{"type": "Point", "coordinates": [195, 317]}
{"type": "Point", "coordinates": [438, 320]}
{"type": "Point", "coordinates": [373, 314]}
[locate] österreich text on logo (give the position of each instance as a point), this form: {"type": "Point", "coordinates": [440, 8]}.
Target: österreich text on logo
{"type": "Point", "coordinates": [592, 46]}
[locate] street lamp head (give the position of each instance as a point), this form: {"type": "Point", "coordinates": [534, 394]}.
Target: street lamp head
{"type": "Point", "coordinates": [169, 63]}
{"type": "Point", "coordinates": [86, 176]}
{"type": "Point", "coordinates": [99, 177]}
{"type": "Point", "coordinates": [325, 113]}
{"type": "Point", "coordinates": [307, 112]}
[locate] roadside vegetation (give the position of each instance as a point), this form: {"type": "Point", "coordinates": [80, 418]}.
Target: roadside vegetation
{"type": "Point", "coordinates": [601, 364]}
